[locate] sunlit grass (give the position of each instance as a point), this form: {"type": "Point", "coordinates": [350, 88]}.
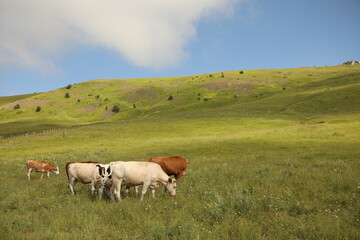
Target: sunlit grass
{"type": "Point", "coordinates": [272, 163]}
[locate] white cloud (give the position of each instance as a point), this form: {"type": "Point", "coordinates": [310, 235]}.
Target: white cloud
{"type": "Point", "coordinates": [148, 33]}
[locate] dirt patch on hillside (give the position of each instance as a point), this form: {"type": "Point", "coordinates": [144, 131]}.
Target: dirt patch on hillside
{"type": "Point", "coordinates": [136, 93]}
{"type": "Point", "coordinates": [238, 86]}
{"type": "Point", "coordinates": [89, 108]}
{"type": "Point", "coordinates": [27, 103]}
{"type": "Point", "coordinates": [107, 115]}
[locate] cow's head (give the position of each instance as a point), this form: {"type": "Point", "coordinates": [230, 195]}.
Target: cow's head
{"type": "Point", "coordinates": [57, 171]}
{"type": "Point", "coordinates": [104, 173]}
{"type": "Point", "coordinates": [171, 186]}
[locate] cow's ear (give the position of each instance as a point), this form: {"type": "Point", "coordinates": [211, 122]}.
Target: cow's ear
{"type": "Point", "coordinates": [170, 180]}
{"type": "Point", "coordinates": [100, 170]}
{"type": "Point", "coordinates": [108, 170]}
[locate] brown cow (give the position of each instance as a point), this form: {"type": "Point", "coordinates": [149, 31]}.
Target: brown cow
{"type": "Point", "coordinates": [172, 165]}
{"type": "Point", "coordinates": [40, 166]}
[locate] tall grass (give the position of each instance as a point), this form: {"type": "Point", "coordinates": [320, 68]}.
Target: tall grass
{"type": "Point", "coordinates": [248, 179]}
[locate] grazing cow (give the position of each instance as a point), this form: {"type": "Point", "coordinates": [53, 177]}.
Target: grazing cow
{"type": "Point", "coordinates": [87, 172]}
{"type": "Point", "coordinates": [147, 174]}
{"type": "Point", "coordinates": [40, 166]}
{"type": "Point", "coordinates": [172, 165]}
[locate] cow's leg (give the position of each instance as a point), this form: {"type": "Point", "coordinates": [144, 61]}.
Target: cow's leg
{"type": "Point", "coordinates": [144, 189]}
{"type": "Point", "coordinates": [152, 191]}
{"type": "Point", "coordinates": [117, 188]}
{"type": "Point", "coordinates": [48, 174]}
{"type": "Point", "coordinates": [180, 174]}
{"type": "Point", "coordinates": [127, 188]}
{"type": "Point", "coordinates": [93, 187]}
{"type": "Point", "coordinates": [101, 190]}
{"type": "Point", "coordinates": [42, 174]}
{"type": "Point", "coordinates": [137, 190]}
{"type": "Point", "coordinates": [72, 183]}
{"type": "Point", "coordinates": [109, 193]}
{"type": "Point", "coordinates": [28, 173]}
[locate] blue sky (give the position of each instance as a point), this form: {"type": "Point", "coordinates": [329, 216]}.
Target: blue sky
{"type": "Point", "coordinates": [45, 45]}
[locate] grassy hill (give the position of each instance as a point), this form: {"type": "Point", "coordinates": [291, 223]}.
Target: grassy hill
{"type": "Point", "coordinates": [289, 93]}
{"type": "Point", "coordinates": [274, 155]}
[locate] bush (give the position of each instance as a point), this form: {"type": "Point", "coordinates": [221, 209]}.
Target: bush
{"type": "Point", "coordinates": [170, 97]}
{"type": "Point", "coordinates": [241, 72]}
{"type": "Point", "coordinates": [68, 86]}
{"type": "Point", "coordinates": [67, 95]}
{"type": "Point", "coordinates": [115, 109]}
{"type": "Point", "coordinates": [17, 106]}
{"type": "Point", "coordinates": [38, 109]}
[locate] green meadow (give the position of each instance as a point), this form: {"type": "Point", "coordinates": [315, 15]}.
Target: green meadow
{"type": "Point", "coordinates": [274, 154]}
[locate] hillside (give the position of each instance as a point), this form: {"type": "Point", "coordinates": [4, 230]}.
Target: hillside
{"type": "Point", "coordinates": [284, 93]}
{"type": "Point", "coordinates": [274, 154]}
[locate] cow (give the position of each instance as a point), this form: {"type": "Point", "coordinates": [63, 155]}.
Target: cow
{"type": "Point", "coordinates": [147, 174]}
{"type": "Point", "coordinates": [172, 165]}
{"type": "Point", "coordinates": [87, 172]}
{"type": "Point", "coordinates": [40, 166]}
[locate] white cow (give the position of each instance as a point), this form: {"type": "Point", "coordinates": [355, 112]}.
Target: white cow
{"type": "Point", "coordinates": [88, 172]}
{"type": "Point", "coordinates": [147, 174]}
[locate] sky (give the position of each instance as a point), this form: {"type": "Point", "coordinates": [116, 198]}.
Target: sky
{"type": "Point", "coordinates": [48, 44]}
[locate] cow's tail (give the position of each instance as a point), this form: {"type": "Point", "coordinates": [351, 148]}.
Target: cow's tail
{"type": "Point", "coordinates": [67, 170]}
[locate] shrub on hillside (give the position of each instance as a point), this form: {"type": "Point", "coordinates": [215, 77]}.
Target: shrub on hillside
{"type": "Point", "coordinates": [241, 72]}
{"type": "Point", "coordinates": [17, 106]}
{"type": "Point", "coordinates": [170, 97]}
{"type": "Point", "coordinates": [115, 109]}
{"type": "Point", "coordinates": [38, 109]}
{"type": "Point", "coordinates": [67, 95]}
{"type": "Point", "coordinates": [68, 86]}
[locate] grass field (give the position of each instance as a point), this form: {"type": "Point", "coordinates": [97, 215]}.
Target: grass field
{"type": "Point", "coordinates": [278, 161]}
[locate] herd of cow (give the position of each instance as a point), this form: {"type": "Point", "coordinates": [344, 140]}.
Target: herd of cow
{"type": "Point", "coordinates": [110, 177]}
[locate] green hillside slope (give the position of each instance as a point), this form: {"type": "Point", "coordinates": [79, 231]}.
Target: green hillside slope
{"type": "Point", "coordinates": [274, 154]}
{"type": "Point", "coordinates": [290, 93]}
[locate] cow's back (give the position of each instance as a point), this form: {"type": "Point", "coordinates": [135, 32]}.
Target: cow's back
{"type": "Point", "coordinates": [171, 165]}
{"type": "Point", "coordinates": [136, 172]}
{"type": "Point", "coordinates": [82, 171]}
{"type": "Point", "coordinates": [38, 165]}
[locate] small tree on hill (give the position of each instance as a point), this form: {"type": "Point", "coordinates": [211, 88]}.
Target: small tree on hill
{"type": "Point", "coordinates": [115, 109]}
{"type": "Point", "coordinates": [38, 109]}
{"type": "Point", "coordinates": [68, 86]}
{"type": "Point", "coordinates": [17, 106]}
{"type": "Point", "coordinates": [67, 95]}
